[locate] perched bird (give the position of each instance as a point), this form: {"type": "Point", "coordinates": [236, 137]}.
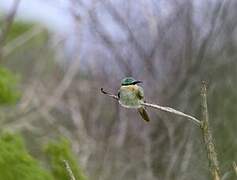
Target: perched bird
{"type": "Point", "coordinates": [131, 96]}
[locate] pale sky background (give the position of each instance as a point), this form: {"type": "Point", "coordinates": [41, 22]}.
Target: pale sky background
{"type": "Point", "coordinates": [56, 14]}
{"type": "Point", "coordinates": [53, 15]}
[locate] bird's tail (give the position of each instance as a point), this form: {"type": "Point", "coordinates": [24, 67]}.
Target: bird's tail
{"type": "Point", "coordinates": [143, 114]}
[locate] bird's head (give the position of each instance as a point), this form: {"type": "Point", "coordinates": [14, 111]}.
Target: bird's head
{"type": "Point", "coordinates": [129, 81]}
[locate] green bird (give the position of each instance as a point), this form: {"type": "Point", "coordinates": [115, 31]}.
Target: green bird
{"type": "Point", "coordinates": [132, 96]}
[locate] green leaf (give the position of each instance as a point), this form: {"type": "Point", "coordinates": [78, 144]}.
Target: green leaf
{"type": "Point", "coordinates": [9, 94]}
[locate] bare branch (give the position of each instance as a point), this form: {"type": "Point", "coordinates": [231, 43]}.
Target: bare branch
{"type": "Point", "coordinates": [109, 94]}
{"type": "Point", "coordinates": [207, 137]}
{"type": "Point", "coordinates": [173, 111]}
{"type": "Point", "coordinates": [162, 108]}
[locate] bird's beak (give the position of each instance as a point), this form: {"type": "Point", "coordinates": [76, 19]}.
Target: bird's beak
{"type": "Point", "coordinates": [136, 82]}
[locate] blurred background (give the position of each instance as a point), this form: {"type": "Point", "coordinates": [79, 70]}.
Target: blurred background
{"type": "Point", "coordinates": [63, 52]}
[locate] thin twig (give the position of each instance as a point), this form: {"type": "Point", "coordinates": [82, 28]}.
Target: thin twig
{"type": "Point", "coordinates": [207, 137]}
{"type": "Point", "coordinates": [109, 94]}
{"type": "Point", "coordinates": [69, 170]}
{"type": "Point", "coordinates": [162, 108]}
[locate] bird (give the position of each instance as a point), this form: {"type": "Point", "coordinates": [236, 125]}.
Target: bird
{"type": "Point", "coordinates": [131, 95]}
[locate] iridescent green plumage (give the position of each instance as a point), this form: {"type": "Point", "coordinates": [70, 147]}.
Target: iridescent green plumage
{"type": "Point", "coordinates": [132, 96]}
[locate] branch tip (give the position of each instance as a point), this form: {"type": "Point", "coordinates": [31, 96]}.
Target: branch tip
{"type": "Point", "coordinates": [103, 91]}
{"type": "Point", "coordinates": [108, 94]}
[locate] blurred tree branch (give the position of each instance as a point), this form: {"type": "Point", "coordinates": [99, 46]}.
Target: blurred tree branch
{"type": "Point", "coordinates": [69, 170]}
{"type": "Point", "coordinates": [235, 168]}
{"type": "Point", "coordinates": [21, 40]}
{"type": "Point", "coordinates": [7, 25]}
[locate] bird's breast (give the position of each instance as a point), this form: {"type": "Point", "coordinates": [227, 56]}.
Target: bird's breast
{"type": "Point", "coordinates": [128, 96]}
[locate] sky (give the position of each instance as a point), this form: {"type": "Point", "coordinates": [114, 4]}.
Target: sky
{"type": "Point", "coordinates": [56, 16]}
{"type": "Point", "coordinates": [52, 15]}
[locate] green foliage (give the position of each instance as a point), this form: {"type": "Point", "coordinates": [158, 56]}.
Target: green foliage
{"type": "Point", "coordinates": [8, 82]}
{"type": "Point", "coordinates": [16, 163]}
{"type": "Point", "coordinates": [17, 29]}
{"type": "Point", "coordinates": [57, 152]}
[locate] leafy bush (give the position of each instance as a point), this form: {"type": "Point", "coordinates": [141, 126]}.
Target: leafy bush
{"type": "Point", "coordinates": [57, 153]}
{"type": "Point", "coordinates": [16, 163]}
